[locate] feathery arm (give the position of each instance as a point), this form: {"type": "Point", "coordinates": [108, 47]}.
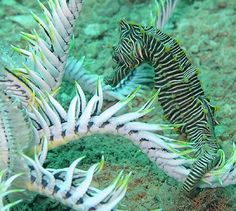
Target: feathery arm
{"type": "Point", "coordinates": [72, 186]}
{"type": "Point", "coordinates": [5, 190]}
{"type": "Point", "coordinates": [47, 54]}
{"type": "Point", "coordinates": [143, 75]}
{"type": "Point", "coordinates": [85, 118]}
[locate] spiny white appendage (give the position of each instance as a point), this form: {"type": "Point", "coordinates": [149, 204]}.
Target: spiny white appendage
{"type": "Point", "coordinates": [164, 9]}
{"type": "Point", "coordinates": [5, 190]}
{"type": "Point", "coordinates": [62, 126]}
{"type": "Point", "coordinates": [225, 174]}
{"type": "Point", "coordinates": [143, 75]}
{"type": "Point", "coordinates": [85, 118]}
{"type": "Point", "coordinates": [16, 133]}
{"type": "Point", "coordinates": [72, 186]}
{"type": "Point", "coordinates": [47, 54]}
{"type": "Point", "coordinates": [16, 136]}
{"type": "Point", "coordinates": [15, 86]}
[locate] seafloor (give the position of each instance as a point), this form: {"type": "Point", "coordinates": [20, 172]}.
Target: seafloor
{"type": "Point", "coordinates": [207, 31]}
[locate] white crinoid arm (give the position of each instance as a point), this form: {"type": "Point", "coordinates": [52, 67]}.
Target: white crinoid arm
{"type": "Point", "coordinates": [224, 174]}
{"type": "Point", "coordinates": [5, 190]}
{"type": "Point", "coordinates": [16, 136]}
{"type": "Point", "coordinates": [163, 10]}
{"type": "Point", "coordinates": [143, 75]}
{"type": "Point", "coordinates": [47, 54]}
{"type": "Point", "coordinates": [84, 118]}
{"type": "Point", "coordinates": [72, 186]}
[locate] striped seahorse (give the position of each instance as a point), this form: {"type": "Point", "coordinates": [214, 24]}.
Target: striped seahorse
{"type": "Point", "coordinates": [181, 95]}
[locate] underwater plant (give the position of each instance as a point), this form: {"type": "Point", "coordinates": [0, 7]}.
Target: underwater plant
{"type": "Point", "coordinates": [33, 122]}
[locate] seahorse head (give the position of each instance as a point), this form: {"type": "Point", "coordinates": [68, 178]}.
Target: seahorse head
{"type": "Point", "coordinates": [128, 53]}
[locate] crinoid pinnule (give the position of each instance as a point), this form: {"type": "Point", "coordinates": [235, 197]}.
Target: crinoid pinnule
{"type": "Point", "coordinates": [46, 56]}
{"type": "Point", "coordinates": [23, 160]}
{"type": "Point", "coordinates": [5, 184]}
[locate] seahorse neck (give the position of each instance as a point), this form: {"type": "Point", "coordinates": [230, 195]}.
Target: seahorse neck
{"type": "Point", "coordinates": [154, 52]}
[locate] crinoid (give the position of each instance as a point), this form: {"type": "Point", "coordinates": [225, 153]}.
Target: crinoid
{"type": "Point", "coordinates": [32, 122]}
{"type": "Point", "coordinates": [4, 185]}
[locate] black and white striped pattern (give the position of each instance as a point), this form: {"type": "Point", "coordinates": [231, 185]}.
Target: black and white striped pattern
{"type": "Point", "coordinates": [181, 95]}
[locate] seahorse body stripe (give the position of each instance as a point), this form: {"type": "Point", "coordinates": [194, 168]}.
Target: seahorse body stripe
{"type": "Point", "coordinates": [181, 94]}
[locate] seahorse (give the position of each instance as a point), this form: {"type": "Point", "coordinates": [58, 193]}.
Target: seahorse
{"type": "Point", "coordinates": [181, 95]}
